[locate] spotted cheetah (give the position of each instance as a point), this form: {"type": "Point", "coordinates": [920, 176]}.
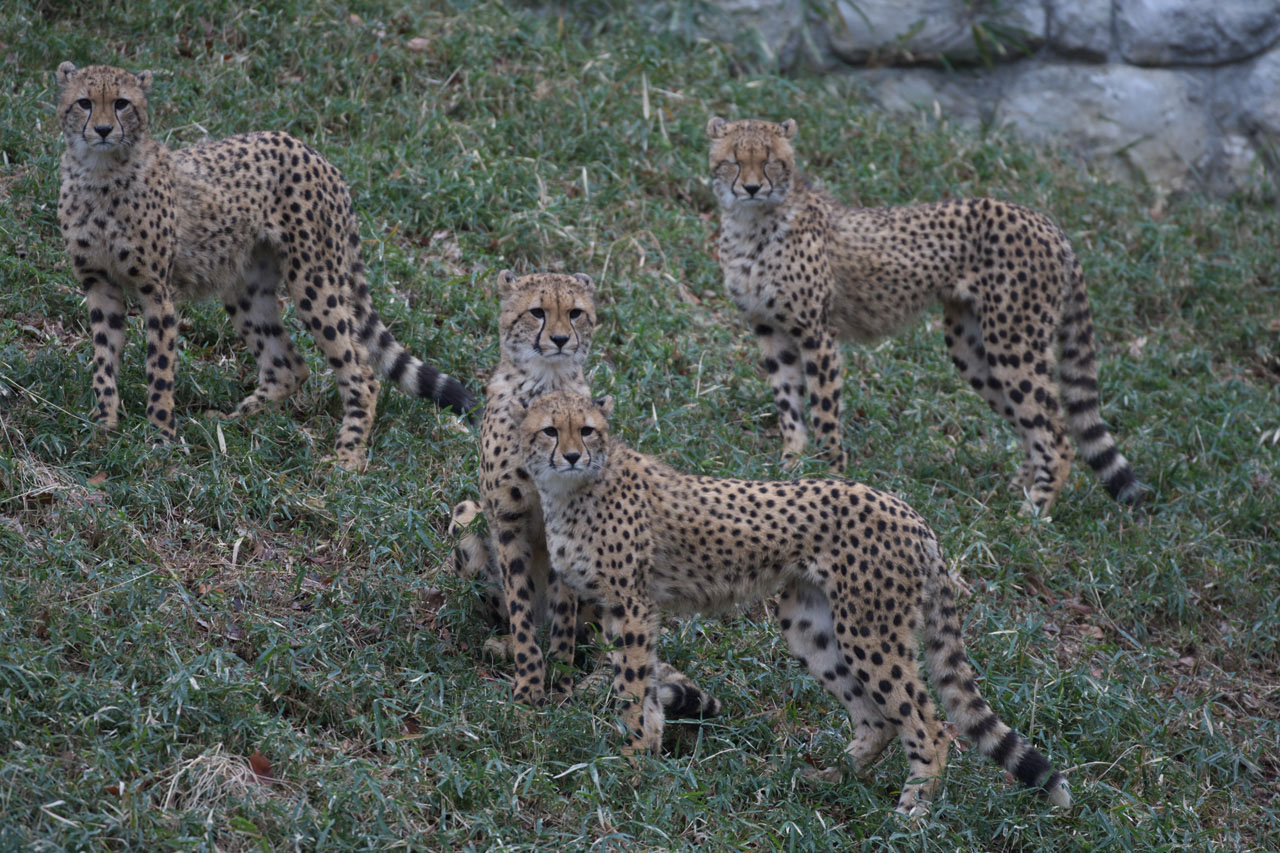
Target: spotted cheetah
{"type": "Point", "coordinates": [858, 571]}
{"type": "Point", "coordinates": [546, 325]}
{"type": "Point", "coordinates": [807, 271]}
{"type": "Point", "coordinates": [227, 219]}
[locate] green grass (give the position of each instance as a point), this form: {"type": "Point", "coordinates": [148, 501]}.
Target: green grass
{"type": "Point", "coordinates": [167, 612]}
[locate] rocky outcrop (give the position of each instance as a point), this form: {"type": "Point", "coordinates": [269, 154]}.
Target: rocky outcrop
{"type": "Point", "coordinates": [1183, 94]}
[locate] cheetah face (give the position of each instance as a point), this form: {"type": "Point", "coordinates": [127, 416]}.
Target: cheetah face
{"type": "Point", "coordinates": [565, 438]}
{"type": "Point", "coordinates": [751, 161]}
{"type": "Point", "coordinates": [103, 110]}
{"type": "Point", "coordinates": [547, 320]}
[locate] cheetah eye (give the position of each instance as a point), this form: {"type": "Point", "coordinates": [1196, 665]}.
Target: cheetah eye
{"type": "Point", "coordinates": [538, 312]}
{"type": "Point", "coordinates": [84, 104]}
{"type": "Point", "coordinates": [121, 104]}
{"type": "Point", "coordinates": [586, 431]}
{"type": "Point", "coordinates": [575, 313]}
{"type": "Point", "coordinates": [550, 432]}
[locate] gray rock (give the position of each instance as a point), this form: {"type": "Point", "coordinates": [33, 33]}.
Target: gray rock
{"type": "Point", "coordinates": [962, 98]}
{"type": "Point", "coordinates": [1151, 123]}
{"type": "Point", "coordinates": [1259, 98]}
{"type": "Point", "coordinates": [1195, 32]}
{"type": "Point", "coordinates": [914, 31]}
{"type": "Point", "coordinates": [1081, 29]}
{"type": "Point", "coordinates": [774, 28]}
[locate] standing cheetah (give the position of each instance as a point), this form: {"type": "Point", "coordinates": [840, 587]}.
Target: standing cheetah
{"type": "Point", "coordinates": [859, 571]}
{"type": "Point", "coordinates": [227, 219]}
{"type": "Point", "coordinates": [545, 328]}
{"type": "Point", "coordinates": [807, 271]}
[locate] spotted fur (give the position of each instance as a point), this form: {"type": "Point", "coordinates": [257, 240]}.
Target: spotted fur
{"type": "Point", "coordinates": [546, 325]}
{"type": "Point", "coordinates": [858, 571]}
{"type": "Point", "coordinates": [808, 272]}
{"type": "Point", "coordinates": [230, 219]}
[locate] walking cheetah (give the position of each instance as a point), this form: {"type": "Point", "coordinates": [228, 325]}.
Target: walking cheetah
{"type": "Point", "coordinates": [807, 271]}
{"type": "Point", "coordinates": [227, 219]}
{"type": "Point", "coordinates": [546, 324]}
{"type": "Point", "coordinates": [859, 575]}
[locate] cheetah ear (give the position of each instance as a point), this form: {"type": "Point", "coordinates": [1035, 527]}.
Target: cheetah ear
{"type": "Point", "coordinates": [65, 72]}
{"type": "Point", "coordinates": [788, 128]}
{"type": "Point", "coordinates": [144, 80]}
{"type": "Point", "coordinates": [587, 281]}
{"type": "Point", "coordinates": [506, 279]}
{"type": "Point", "coordinates": [717, 127]}
{"type": "Point", "coordinates": [606, 404]}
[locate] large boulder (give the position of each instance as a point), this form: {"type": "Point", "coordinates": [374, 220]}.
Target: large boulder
{"type": "Point", "coordinates": [1081, 29]}
{"type": "Point", "coordinates": [1151, 121]}
{"type": "Point", "coordinates": [1195, 32]}
{"type": "Point", "coordinates": [914, 31]}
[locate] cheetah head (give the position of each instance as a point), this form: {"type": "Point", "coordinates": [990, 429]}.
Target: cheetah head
{"type": "Point", "coordinates": [103, 110]}
{"type": "Point", "coordinates": [751, 161]}
{"type": "Point", "coordinates": [565, 438]}
{"type": "Point", "coordinates": [547, 320]}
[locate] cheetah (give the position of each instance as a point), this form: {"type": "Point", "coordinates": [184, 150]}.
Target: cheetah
{"type": "Point", "coordinates": [807, 271]}
{"type": "Point", "coordinates": [229, 219]}
{"type": "Point", "coordinates": [546, 326]}
{"type": "Point", "coordinates": [858, 574]}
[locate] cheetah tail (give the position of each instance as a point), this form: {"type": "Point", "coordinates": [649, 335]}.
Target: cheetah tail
{"type": "Point", "coordinates": [1079, 372]}
{"type": "Point", "coordinates": [412, 375]}
{"type": "Point", "coordinates": [953, 675]}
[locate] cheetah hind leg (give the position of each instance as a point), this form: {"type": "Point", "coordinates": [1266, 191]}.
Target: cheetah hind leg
{"type": "Point", "coordinates": [254, 308]}
{"type": "Point", "coordinates": [805, 616]}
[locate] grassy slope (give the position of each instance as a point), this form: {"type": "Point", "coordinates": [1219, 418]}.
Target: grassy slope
{"type": "Point", "coordinates": [166, 612]}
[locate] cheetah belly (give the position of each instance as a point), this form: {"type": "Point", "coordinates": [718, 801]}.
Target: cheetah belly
{"type": "Point", "coordinates": [687, 579]}
{"type": "Point", "coordinates": [220, 243]}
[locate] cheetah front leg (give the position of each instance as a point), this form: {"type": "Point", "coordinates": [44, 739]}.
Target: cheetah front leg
{"type": "Point", "coordinates": [824, 375]}
{"type": "Point", "coordinates": [105, 300]}
{"type": "Point", "coordinates": [563, 603]}
{"type": "Point", "coordinates": [780, 361]}
{"type": "Point", "coordinates": [524, 568]}
{"type": "Point", "coordinates": [162, 350]}
{"type": "Point", "coordinates": [631, 630]}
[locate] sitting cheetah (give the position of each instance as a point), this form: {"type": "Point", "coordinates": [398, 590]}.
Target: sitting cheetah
{"type": "Point", "coordinates": [859, 572]}
{"type": "Point", "coordinates": [807, 271]}
{"type": "Point", "coordinates": [226, 219]}
{"type": "Point", "coordinates": [546, 324]}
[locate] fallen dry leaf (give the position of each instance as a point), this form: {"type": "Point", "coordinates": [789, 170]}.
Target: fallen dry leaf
{"type": "Point", "coordinates": [261, 768]}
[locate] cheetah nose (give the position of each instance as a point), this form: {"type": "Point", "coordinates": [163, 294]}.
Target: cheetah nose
{"type": "Point", "coordinates": [751, 189]}
{"type": "Point", "coordinates": [103, 130]}
{"type": "Point", "coordinates": [572, 458]}
{"type": "Point", "coordinates": [560, 340]}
